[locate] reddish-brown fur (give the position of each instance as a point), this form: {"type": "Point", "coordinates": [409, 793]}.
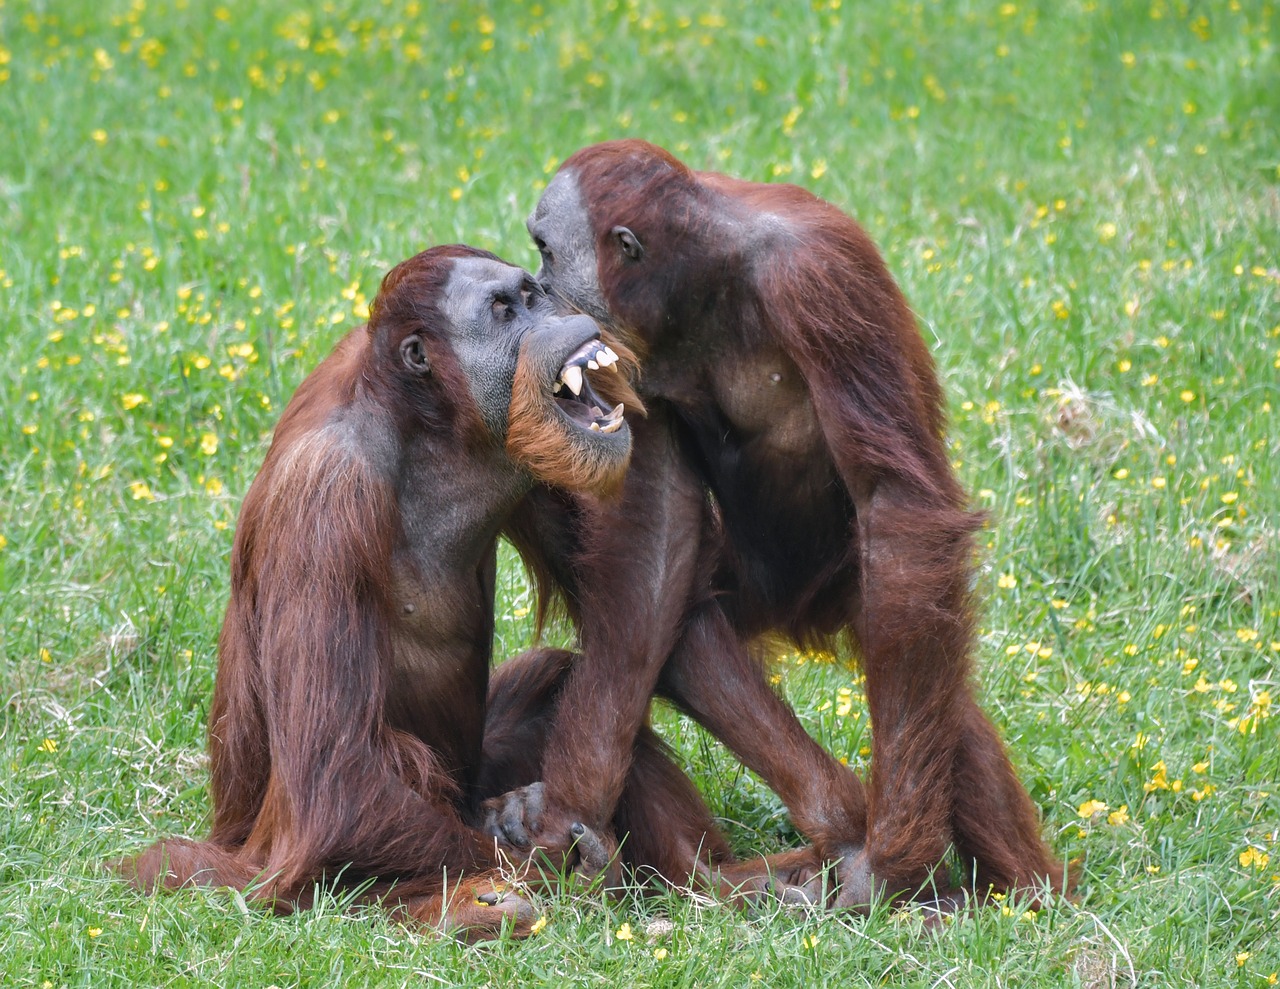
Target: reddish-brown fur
{"type": "Point", "coordinates": [316, 772]}
{"type": "Point", "coordinates": [355, 732]}
{"type": "Point", "coordinates": [786, 379]}
{"type": "Point", "coordinates": [540, 451]}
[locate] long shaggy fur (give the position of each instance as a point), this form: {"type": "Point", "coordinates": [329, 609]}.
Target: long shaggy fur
{"type": "Point", "coordinates": [787, 383]}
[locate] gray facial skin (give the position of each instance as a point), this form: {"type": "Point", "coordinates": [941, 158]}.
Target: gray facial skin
{"type": "Point", "coordinates": [561, 230]}
{"type": "Point", "coordinates": [478, 293]}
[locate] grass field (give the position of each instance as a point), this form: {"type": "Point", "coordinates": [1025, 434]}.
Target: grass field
{"type": "Point", "coordinates": [1081, 199]}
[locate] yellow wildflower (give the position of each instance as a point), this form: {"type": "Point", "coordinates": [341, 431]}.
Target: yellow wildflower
{"type": "Point", "coordinates": [1252, 858]}
{"type": "Point", "coordinates": [1091, 807]}
{"type": "Point", "coordinates": [1159, 779]}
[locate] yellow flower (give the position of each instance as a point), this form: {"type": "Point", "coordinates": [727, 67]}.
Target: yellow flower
{"type": "Point", "coordinates": [538, 924]}
{"type": "Point", "coordinates": [1007, 580]}
{"type": "Point", "coordinates": [132, 400]}
{"type": "Point", "coordinates": [1119, 817]}
{"type": "Point", "coordinates": [140, 491]}
{"type": "Point", "coordinates": [1243, 957]}
{"type": "Point", "coordinates": [48, 745]}
{"type": "Point", "coordinates": [1251, 857]}
{"type": "Point", "coordinates": [94, 931]}
{"type": "Point", "coordinates": [660, 953]}
{"type": "Point", "coordinates": [811, 941]}
{"type": "Point", "coordinates": [208, 444]}
{"type": "Point", "coordinates": [1091, 807]}
{"type": "Point", "coordinates": [624, 932]}
{"type": "Point", "coordinates": [1159, 779]}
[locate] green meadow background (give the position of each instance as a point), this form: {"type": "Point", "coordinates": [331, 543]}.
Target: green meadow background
{"type": "Point", "coordinates": [1081, 199]}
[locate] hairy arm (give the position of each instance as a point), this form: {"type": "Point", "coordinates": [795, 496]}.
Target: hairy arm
{"type": "Point", "coordinates": [342, 787]}
{"type": "Point", "coordinates": [629, 583]}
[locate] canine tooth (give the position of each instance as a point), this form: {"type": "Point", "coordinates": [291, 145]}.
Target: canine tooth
{"type": "Point", "coordinates": [572, 377]}
{"type": "Point", "coordinates": [616, 412]}
{"type": "Point", "coordinates": [611, 427]}
{"type": "Point", "coordinates": [595, 428]}
{"type": "Point", "coordinates": [612, 355]}
{"type": "Point", "coordinates": [593, 365]}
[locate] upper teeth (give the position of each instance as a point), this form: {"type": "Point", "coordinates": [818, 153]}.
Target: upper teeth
{"type": "Point", "coordinates": [572, 377]}
{"type": "Point", "coordinates": [594, 355]}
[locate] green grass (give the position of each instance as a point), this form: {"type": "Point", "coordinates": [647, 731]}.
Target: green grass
{"type": "Point", "coordinates": [1081, 199]}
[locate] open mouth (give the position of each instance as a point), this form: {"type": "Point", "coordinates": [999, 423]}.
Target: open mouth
{"type": "Point", "coordinates": [574, 395]}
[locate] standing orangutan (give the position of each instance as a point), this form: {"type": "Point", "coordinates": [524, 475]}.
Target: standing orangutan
{"type": "Point", "coordinates": [791, 477]}
{"type": "Point", "coordinates": [348, 735]}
